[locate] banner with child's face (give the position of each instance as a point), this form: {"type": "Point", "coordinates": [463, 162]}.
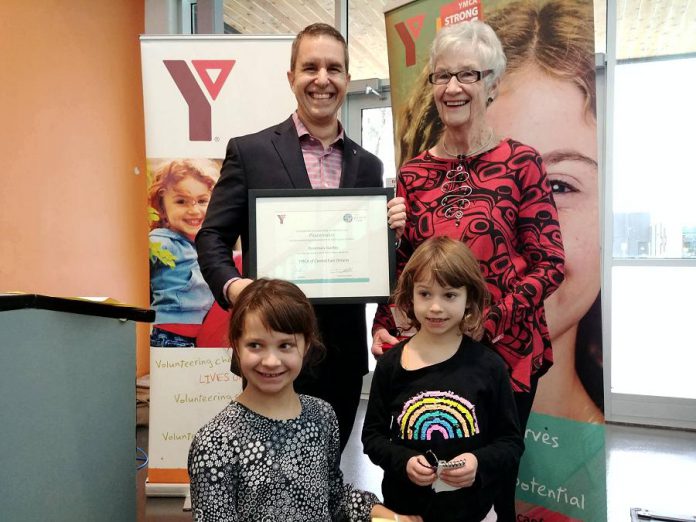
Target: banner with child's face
{"type": "Point", "coordinates": [198, 93]}
{"type": "Point", "coordinates": [546, 99]}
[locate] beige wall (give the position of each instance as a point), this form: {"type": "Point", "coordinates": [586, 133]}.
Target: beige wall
{"type": "Point", "coordinates": [72, 209]}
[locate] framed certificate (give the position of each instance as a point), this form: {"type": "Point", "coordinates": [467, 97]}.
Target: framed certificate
{"type": "Point", "coordinates": [334, 244]}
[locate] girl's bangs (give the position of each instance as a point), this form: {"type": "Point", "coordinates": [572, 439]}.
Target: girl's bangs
{"type": "Point", "coordinates": [442, 272]}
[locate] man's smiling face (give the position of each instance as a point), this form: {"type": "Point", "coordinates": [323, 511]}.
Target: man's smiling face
{"type": "Point", "coordinates": [319, 80]}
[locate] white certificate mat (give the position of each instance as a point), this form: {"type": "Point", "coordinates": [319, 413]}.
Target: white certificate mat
{"type": "Point", "coordinates": [334, 244]}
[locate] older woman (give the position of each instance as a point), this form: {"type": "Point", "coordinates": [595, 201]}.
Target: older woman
{"type": "Point", "coordinates": [492, 194]}
{"type": "Point", "coordinates": [547, 99]}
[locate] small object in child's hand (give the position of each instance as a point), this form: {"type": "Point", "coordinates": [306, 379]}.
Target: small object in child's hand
{"type": "Point", "coordinates": [431, 459]}
{"type": "Point", "coordinates": [453, 464]}
{"type": "Point", "coordinates": [440, 485]}
{"type": "Point", "coordinates": [438, 464]}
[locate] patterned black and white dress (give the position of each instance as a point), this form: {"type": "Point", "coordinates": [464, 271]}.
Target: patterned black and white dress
{"type": "Point", "coordinates": [246, 467]}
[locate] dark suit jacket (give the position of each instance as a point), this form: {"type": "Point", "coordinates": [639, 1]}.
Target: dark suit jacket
{"type": "Point", "coordinates": [272, 158]}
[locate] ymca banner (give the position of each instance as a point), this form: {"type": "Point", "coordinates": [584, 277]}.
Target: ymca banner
{"type": "Point", "coordinates": [199, 91]}
{"type": "Point", "coordinates": [546, 99]}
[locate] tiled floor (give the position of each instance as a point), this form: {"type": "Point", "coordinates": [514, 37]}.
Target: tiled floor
{"type": "Point", "coordinates": [650, 468]}
{"type": "Point", "coordinates": [653, 469]}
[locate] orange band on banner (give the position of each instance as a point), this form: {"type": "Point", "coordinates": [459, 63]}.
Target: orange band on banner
{"type": "Point", "coordinates": [168, 475]}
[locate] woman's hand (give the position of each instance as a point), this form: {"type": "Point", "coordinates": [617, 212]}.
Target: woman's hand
{"type": "Point", "coordinates": [463, 477]}
{"type": "Point", "coordinates": [419, 472]}
{"type": "Point", "coordinates": [396, 215]}
{"type": "Point", "coordinates": [381, 337]}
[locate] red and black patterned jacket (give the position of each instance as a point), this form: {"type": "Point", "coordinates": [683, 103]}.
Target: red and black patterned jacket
{"type": "Point", "coordinates": [501, 205]}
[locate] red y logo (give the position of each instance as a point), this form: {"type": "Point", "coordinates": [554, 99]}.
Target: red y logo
{"type": "Point", "coordinates": [409, 35]}
{"type": "Point", "coordinates": [200, 127]}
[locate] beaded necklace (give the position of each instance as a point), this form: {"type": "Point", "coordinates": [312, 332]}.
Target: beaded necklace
{"type": "Point", "coordinates": [456, 187]}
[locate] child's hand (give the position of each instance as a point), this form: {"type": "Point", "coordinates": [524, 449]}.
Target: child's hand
{"type": "Point", "coordinates": [419, 472]}
{"type": "Point", "coordinates": [463, 477]}
{"type": "Point", "coordinates": [235, 288]}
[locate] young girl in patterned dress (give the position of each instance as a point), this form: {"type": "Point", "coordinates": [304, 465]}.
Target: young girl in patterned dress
{"type": "Point", "coordinates": [441, 420]}
{"type": "Point", "coordinates": [273, 455]}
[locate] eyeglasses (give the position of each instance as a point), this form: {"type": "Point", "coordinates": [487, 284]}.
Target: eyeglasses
{"type": "Point", "coordinates": [467, 76]}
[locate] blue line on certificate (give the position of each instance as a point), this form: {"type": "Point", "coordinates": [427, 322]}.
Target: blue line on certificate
{"type": "Point", "coordinates": [338, 280]}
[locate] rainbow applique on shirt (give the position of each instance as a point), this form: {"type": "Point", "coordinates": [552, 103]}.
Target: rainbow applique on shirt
{"type": "Point", "coordinates": [436, 412]}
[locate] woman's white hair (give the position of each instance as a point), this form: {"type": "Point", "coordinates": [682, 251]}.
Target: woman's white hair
{"type": "Point", "coordinates": [477, 36]}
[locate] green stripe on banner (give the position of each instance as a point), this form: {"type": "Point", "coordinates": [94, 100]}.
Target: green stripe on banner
{"type": "Point", "coordinates": [564, 467]}
{"type": "Point", "coordinates": [320, 281]}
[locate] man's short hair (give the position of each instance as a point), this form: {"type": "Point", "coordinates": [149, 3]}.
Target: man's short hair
{"type": "Point", "coordinates": [314, 31]}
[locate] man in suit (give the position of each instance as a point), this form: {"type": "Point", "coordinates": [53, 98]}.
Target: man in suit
{"type": "Point", "coordinates": [308, 150]}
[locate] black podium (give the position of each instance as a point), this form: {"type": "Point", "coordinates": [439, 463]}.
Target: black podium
{"type": "Point", "coordinates": [67, 407]}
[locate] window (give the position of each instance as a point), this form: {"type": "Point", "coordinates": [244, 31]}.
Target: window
{"type": "Point", "coordinates": [651, 251]}
{"type": "Point", "coordinates": [654, 180]}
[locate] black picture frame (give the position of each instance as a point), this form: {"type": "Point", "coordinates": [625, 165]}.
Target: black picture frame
{"type": "Point", "coordinates": [257, 195]}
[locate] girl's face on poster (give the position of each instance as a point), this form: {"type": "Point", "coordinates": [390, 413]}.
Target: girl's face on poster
{"type": "Point", "coordinates": [269, 360]}
{"type": "Point", "coordinates": [550, 115]}
{"type": "Point", "coordinates": [185, 205]}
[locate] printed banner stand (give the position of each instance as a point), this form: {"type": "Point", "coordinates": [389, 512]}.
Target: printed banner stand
{"type": "Point", "coordinates": [188, 387]}
{"type": "Point", "coordinates": [562, 475]}
{"type": "Point", "coordinates": [199, 91]}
